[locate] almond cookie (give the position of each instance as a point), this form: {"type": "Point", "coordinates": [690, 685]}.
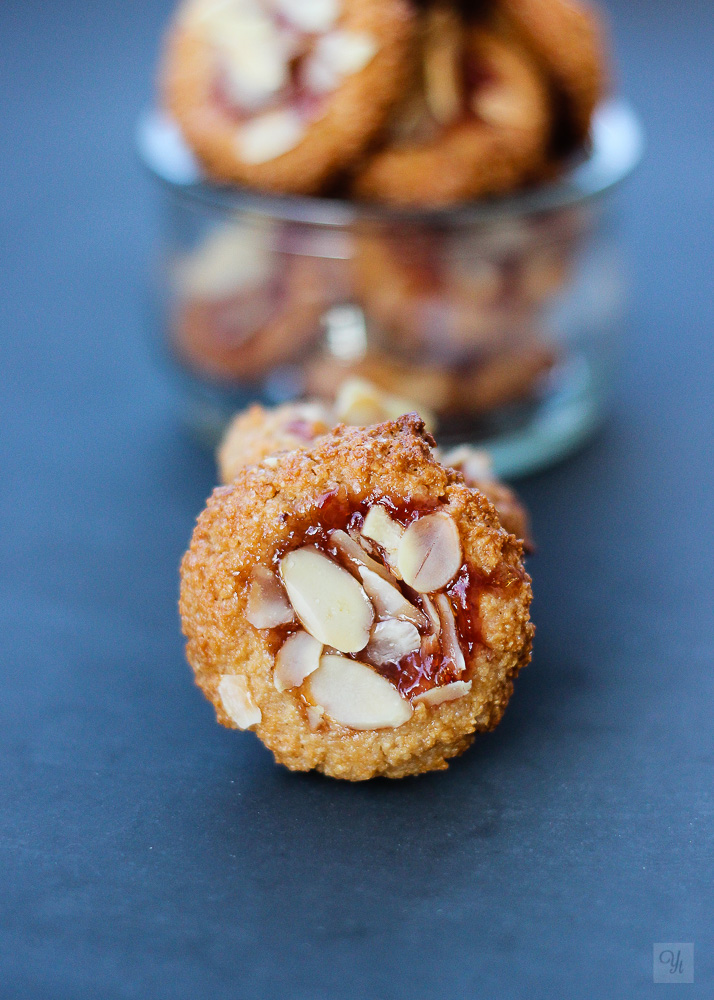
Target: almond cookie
{"type": "Point", "coordinates": [566, 37]}
{"type": "Point", "coordinates": [244, 306]}
{"type": "Point", "coordinates": [356, 605]}
{"type": "Point", "coordinates": [476, 123]}
{"type": "Point", "coordinates": [258, 433]}
{"type": "Point", "coordinates": [448, 291]}
{"type": "Point", "coordinates": [476, 385]}
{"type": "Point", "coordinates": [283, 95]}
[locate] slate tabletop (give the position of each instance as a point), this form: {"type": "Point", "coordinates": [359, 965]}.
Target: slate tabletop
{"type": "Point", "coordinates": [148, 853]}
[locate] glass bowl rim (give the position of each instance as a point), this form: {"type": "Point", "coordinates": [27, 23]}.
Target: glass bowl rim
{"type": "Point", "coordinates": [616, 148]}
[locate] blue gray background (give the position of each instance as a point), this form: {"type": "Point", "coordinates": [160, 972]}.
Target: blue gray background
{"type": "Point", "coordinates": [148, 853]}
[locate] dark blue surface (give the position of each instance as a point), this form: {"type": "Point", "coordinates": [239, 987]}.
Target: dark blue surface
{"type": "Point", "coordinates": [146, 852]}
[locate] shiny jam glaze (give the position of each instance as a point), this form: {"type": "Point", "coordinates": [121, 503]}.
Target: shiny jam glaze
{"type": "Point", "coordinates": [421, 670]}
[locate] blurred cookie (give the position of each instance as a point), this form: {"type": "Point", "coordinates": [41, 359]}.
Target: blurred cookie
{"type": "Point", "coordinates": [476, 122]}
{"type": "Point", "coordinates": [243, 306]}
{"type": "Point", "coordinates": [283, 95]}
{"type": "Point", "coordinates": [509, 375]}
{"type": "Point", "coordinates": [566, 37]}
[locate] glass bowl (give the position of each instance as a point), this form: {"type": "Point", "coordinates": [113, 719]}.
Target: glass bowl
{"type": "Point", "coordinates": [499, 317]}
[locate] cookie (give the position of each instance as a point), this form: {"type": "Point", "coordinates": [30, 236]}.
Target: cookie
{"type": "Point", "coordinates": [511, 374]}
{"type": "Point", "coordinates": [258, 433]}
{"type": "Point", "coordinates": [243, 306]}
{"type": "Point", "coordinates": [566, 37]}
{"type": "Point", "coordinates": [356, 605]}
{"type": "Point", "coordinates": [476, 122]}
{"type": "Point", "coordinates": [281, 96]}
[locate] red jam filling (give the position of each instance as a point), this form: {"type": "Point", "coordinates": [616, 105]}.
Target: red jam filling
{"type": "Point", "coordinates": [421, 670]}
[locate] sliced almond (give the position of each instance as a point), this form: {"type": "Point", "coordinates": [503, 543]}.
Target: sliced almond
{"type": "Point", "coordinates": [390, 641]}
{"type": "Point", "coordinates": [474, 463]}
{"type": "Point", "coordinates": [502, 107]}
{"type": "Point", "coordinates": [311, 16]}
{"type": "Point", "coordinates": [361, 403]}
{"type": "Point", "coordinates": [314, 716]}
{"type": "Point", "coordinates": [269, 135]}
{"type": "Point", "coordinates": [346, 52]}
{"type": "Point", "coordinates": [442, 65]}
{"type": "Point", "coordinates": [353, 694]}
{"type": "Point", "coordinates": [337, 54]}
{"type": "Point", "coordinates": [429, 554]}
{"type": "Point", "coordinates": [432, 614]}
{"type": "Point", "coordinates": [381, 528]}
{"type": "Point", "coordinates": [353, 552]}
{"type": "Point", "coordinates": [327, 599]}
{"type": "Point", "coordinates": [450, 644]}
{"type": "Point", "coordinates": [448, 692]}
{"type": "Point", "coordinates": [297, 658]}
{"type": "Point", "coordinates": [389, 601]}
{"type": "Point", "coordinates": [268, 605]}
{"type": "Point", "coordinates": [255, 67]}
{"type": "Point", "coordinates": [237, 701]}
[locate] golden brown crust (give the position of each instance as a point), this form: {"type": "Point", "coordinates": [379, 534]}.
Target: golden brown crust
{"type": "Point", "coordinates": [258, 432]}
{"type": "Point", "coordinates": [511, 512]}
{"type": "Point", "coordinates": [245, 522]}
{"type": "Point", "coordinates": [566, 37]}
{"type": "Point", "coordinates": [473, 157]}
{"type": "Point", "coordinates": [352, 115]}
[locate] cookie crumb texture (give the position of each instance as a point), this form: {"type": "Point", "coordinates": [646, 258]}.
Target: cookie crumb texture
{"type": "Point", "coordinates": [356, 604]}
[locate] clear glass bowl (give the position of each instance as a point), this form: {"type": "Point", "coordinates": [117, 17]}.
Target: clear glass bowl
{"type": "Point", "coordinates": [500, 317]}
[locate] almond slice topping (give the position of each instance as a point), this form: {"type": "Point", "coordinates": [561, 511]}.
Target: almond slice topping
{"type": "Point", "coordinates": [388, 600]}
{"type": "Point", "coordinates": [310, 15]}
{"type": "Point", "coordinates": [354, 553]}
{"type": "Point", "coordinates": [501, 106]}
{"type": "Point", "coordinates": [297, 658]}
{"type": "Point", "coordinates": [353, 694]}
{"type": "Point", "coordinates": [379, 527]}
{"type": "Point", "coordinates": [361, 403]}
{"type": "Point", "coordinates": [450, 644]}
{"type": "Point", "coordinates": [475, 463]}
{"type": "Point", "coordinates": [267, 604]}
{"type": "Point", "coordinates": [442, 57]}
{"type": "Point", "coordinates": [431, 643]}
{"type": "Point", "coordinates": [327, 599]}
{"type": "Point", "coordinates": [390, 641]}
{"type": "Point", "coordinates": [237, 701]}
{"type": "Point", "coordinates": [429, 554]}
{"type": "Point", "coordinates": [269, 135]}
{"type": "Point", "coordinates": [314, 716]}
{"type": "Point", "coordinates": [448, 692]}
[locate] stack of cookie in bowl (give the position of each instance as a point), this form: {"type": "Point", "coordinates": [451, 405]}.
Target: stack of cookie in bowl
{"type": "Point", "coordinates": [384, 100]}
